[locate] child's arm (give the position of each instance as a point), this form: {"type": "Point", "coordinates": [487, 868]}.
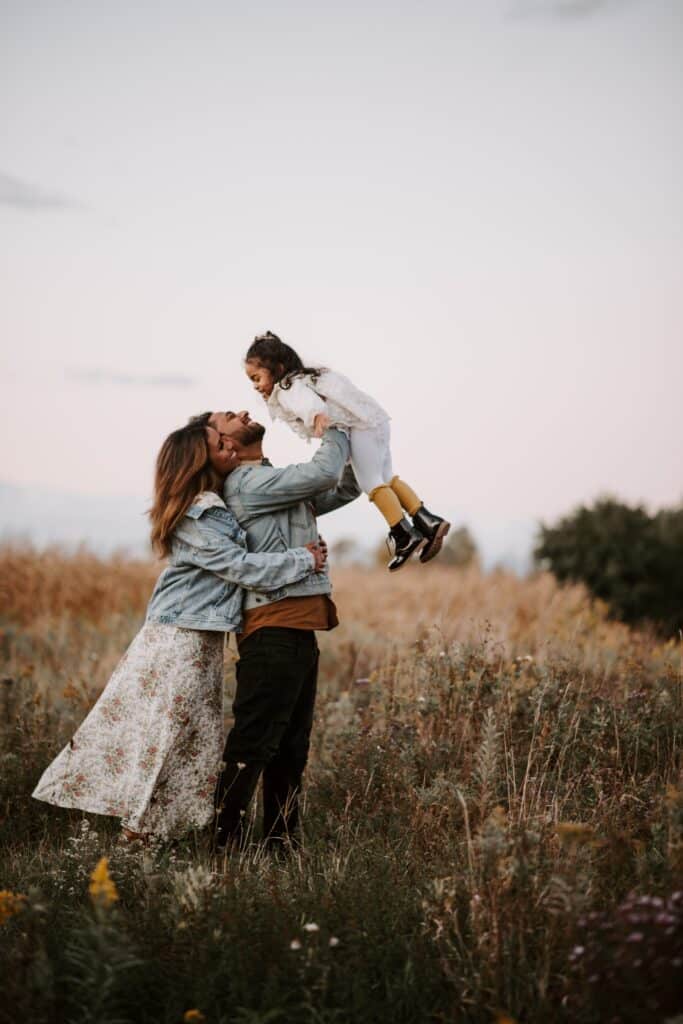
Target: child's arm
{"type": "Point", "coordinates": [301, 400]}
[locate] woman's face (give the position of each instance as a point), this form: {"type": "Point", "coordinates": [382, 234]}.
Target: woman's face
{"type": "Point", "coordinates": [221, 453]}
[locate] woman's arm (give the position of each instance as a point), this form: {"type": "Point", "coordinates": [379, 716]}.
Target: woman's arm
{"type": "Point", "coordinates": [254, 571]}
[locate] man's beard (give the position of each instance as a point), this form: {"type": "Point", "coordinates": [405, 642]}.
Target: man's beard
{"type": "Point", "coordinates": [250, 434]}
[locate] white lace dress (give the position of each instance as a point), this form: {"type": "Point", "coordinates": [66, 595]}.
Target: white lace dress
{"type": "Point", "coordinates": [149, 751]}
{"type": "Point", "coordinates": [331, 393]}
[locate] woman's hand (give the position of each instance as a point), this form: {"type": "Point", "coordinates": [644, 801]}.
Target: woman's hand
{"type": "Point", "coordinates": [319, 552]}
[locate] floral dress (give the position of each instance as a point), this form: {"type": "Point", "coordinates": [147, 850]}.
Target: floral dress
{"type": "Point", "coordinates": [149, 751]}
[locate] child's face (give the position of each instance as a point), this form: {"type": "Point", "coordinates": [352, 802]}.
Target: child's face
{"type": "Point", "coordinates": [260, 377]}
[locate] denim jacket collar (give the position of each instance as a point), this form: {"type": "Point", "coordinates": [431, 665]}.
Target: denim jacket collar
{"type": "Point", "coordinates": [207, 499]}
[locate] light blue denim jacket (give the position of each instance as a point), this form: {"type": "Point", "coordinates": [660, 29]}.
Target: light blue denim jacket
{"type": "Point", "coordinates": [278, 509]}
{"type": "Point", "coordinates": [209, 565]}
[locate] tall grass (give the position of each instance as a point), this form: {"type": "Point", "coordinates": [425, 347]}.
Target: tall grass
{"type": "Point", "coordinates": [496, 769]}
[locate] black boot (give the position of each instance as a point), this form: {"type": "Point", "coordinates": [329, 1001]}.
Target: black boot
{"type": "Point", "coordinates": [434, 528]}
{"type": "Point", "coordinates": [406, 538]}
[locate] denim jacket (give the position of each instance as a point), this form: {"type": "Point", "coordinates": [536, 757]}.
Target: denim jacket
{"type": "Point", "coordinates": [278, 509]}
{"type": "Point", "coordinates": [209, 565]}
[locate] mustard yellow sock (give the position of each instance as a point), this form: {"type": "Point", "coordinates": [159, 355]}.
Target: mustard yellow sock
{"type": "Point", "coordinates": [388, 504]}
{"type": "Point", "coordinates": [406, 495]}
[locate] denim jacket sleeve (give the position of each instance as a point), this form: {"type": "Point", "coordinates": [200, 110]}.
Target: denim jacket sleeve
{"type": "Point", "coordinates": [270, 489]}
{"type": "Point", "coordinates": [346, 490]}
{"type": "Point", "coordinates": [253, 571]}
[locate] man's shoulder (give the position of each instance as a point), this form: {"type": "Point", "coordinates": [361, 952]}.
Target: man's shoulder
{"type": "Point", "coordinates": [240, 476]}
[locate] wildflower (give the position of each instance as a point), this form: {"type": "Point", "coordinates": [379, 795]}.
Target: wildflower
{"type": "Point", "coordinates": [334, 941]}
{"type": "Point", "coordinates": [102, 889]}
{"type": "Point", "coordinates": [10, 904]}
{"type": "Point", "coordinates": [193, 1017]}
{"type": "Point", "coordinates": [311, 927]}
{"type": "Point", "coordinates": [295, 944]}
{"type": "Point", "coordinates": [240, 766]}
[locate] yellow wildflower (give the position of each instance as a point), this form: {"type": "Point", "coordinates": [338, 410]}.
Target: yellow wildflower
{"type": "Point", "coordinates": [193, 1017]}
{"type": "Point", "coordinates": [102, 889]}
{"type": "Point", "coordinates": [10, 904]}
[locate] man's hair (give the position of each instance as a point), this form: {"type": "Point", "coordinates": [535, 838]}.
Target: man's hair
{"type": "Point", "coordinates": [200, 420]}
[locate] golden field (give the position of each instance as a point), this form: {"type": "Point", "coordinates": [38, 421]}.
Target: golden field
{"type": "Point", "coordinates": [495, 775]}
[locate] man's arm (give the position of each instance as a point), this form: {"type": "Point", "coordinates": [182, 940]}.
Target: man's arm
{"type": "Point", "coordinates": [264, 489]}
{"type": "Point", "coordinates": [346, 490]}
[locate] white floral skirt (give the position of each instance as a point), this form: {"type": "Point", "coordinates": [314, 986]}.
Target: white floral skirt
{"type": "Point", "coordinates": [149, 750]}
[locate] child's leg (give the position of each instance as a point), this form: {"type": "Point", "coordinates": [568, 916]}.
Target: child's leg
{"type": "Point", "coordinates": [371, 461]}
{"type": "Point", "coordinates": [406, 495]}
{"type": "Point", "coordinates": [433, 528]}
{"type": "Point", "coordinates": [368, 454]}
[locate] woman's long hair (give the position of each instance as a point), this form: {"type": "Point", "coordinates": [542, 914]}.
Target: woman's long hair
{"type": "Point", "coordinates": [182, 472]}
{"type": "Point", "coordinates": [279, 358]}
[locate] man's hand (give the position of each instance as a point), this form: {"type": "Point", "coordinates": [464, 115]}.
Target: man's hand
{"type": "Point", "coordinates": [319, 552]}
{"type": "Point", "coordinates": [320, 424]}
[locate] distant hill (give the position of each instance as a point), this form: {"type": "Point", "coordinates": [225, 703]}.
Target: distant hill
{"type": "Point", "coordinates": [104, 522]}
{"type": "Point", "coordinates": [110, 522]}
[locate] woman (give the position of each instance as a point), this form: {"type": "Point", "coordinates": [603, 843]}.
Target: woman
{"type": "Point", "coordinates": [150, 748]}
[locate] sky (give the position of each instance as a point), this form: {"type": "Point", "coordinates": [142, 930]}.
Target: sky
{"type": "Point", "coordinates": [472, 209]}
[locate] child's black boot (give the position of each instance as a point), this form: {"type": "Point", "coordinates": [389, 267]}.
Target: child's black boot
{"type": "Point", "coordinates": [434, 528]}
{"type": "Point", "coordinates": [406, 539]}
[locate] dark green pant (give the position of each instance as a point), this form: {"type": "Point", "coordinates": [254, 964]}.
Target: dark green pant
{"type": "Point", "coordinates": [276, 685]}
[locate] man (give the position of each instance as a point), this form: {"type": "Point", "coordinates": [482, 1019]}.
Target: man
{"type": "Point", "coordinates": [278, 665]}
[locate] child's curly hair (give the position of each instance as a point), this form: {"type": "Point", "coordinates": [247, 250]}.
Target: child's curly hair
{"type": "Point", "coordinates": [279, 358]}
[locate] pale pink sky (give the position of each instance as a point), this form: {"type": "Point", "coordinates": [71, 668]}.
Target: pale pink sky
{"type": "Point", "coordinates": [474, 210]}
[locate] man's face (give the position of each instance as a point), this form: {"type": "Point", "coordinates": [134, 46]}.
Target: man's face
{"type": "Point", "coordinates": [238, 427]}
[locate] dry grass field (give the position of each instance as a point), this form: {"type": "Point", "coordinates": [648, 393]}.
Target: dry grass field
{"type": "Point", "coordinates": [493, 819]}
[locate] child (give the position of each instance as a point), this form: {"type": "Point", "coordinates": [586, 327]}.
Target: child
{"type": "Point", "coordinates": [311, 400]}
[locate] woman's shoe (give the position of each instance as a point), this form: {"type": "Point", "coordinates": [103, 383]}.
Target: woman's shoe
{"type": "Point", "coordinates": [434, 528]}
{"type": "Point", "coordinates": [406, 540]}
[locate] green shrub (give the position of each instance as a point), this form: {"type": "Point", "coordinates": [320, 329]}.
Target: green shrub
{"type": "Point", "coordinates": [626, 557]}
